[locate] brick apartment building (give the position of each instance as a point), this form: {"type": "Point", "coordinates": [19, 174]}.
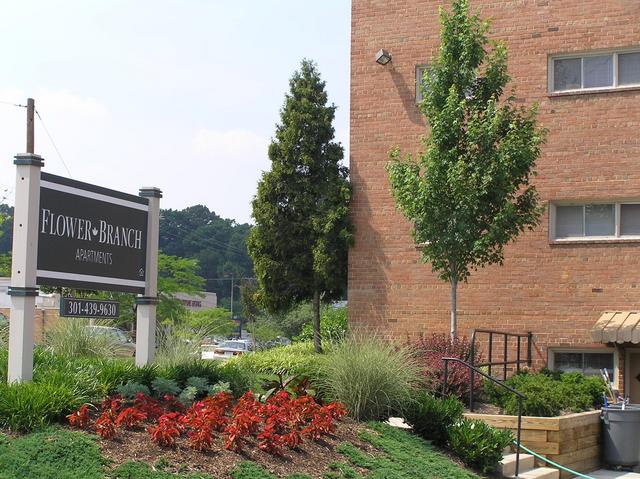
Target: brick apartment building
{"type": "Point", "coordinates": [580, 60]}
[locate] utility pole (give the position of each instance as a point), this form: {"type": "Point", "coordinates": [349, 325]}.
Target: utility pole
{"type": "Point", "coordinates": [232, 298]}
{"type": "Point", "coordinates": [31, 108]}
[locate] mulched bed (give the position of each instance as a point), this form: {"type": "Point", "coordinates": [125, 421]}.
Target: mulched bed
{"type": "Point", "coordinates": [311, 458]}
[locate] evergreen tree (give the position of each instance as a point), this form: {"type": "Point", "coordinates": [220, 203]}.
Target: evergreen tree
{"type": "Point", "coordinates": [302, 233]}
{"type": "Point", "coordinates": [468, 194]}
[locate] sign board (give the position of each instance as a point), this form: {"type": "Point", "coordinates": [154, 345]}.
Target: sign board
{"type": "Point", "coordinates": [89, 308]}
{"type": "Point", "coordinates": [91, 237]}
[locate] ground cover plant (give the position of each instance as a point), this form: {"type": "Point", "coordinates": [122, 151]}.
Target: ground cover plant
{"type": "Point", "coordinates": [548, 393]}
{"type": "Point", "coordinates": [374, 450]}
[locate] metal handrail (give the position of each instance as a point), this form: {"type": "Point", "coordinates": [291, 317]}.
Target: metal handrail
{"type": "Point", "coordinates": [505, 359]}
{"type": "Point", "coordinates": [518, 394]}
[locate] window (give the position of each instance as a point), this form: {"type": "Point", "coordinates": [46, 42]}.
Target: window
{"type": "Point", "coordinates": [589, 363]}
{"type": "Point", "coordinates": [594, 71]}
{"type": "Point", "coordinates": [595, 221]}
{"type": "Point", "coordinates": [420, 72]}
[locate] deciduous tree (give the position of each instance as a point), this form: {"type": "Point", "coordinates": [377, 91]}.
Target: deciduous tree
{"type": "Point", "coordinates": [468, 193]}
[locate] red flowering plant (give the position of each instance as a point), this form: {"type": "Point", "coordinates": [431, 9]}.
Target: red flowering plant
{"type": "Point", "coordinates": [204, 417]}
{"type": "Point", "coordinates": [105, 425]}
{"type": "Point", "coordinates": [244, 422]}
{"type": "Point", "coordinates": [167, 430]}
{"type": "Point", "coordinates": [429, 352]}
{"type": "Point", "coordinates": [281, 421]}
{"type": "Point", "coordinates": [148, 405]}
{"type": "Point", "coordinates": [130, 418]}
{"type": "Point", "coordinates": [80, 418]}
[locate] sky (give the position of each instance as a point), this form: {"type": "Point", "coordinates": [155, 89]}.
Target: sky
{"type": "Point", "coordinates": [180, 95]}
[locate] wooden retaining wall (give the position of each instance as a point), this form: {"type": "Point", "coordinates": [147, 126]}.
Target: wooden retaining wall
{"type": "Point", "coordinates": [572, 441]}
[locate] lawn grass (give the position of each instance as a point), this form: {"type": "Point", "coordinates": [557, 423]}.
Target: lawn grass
{"type": "Point", "coordinates": [58, 453]}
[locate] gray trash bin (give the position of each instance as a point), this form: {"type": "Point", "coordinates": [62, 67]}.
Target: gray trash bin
{"type": "Point", "coordinates": [621, 434]}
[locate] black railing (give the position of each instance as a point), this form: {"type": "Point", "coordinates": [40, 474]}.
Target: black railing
{"type": "Point", "coordinates": [505, 354]}
{"type": "Point", "coordinates": [519, 395]}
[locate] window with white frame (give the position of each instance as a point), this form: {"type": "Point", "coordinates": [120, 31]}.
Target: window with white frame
{"type": "Point", "coordinates": [420, 72]}
{"type": "Point", "coordinates": [594, 71]}
{"type": "Point", "coordinates": [595, 221]}
{"type": "Point", "coordinates": [587, 362]}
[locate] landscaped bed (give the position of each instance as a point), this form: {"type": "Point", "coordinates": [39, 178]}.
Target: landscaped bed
{"type": "Point", "coordinates": [373, 450]}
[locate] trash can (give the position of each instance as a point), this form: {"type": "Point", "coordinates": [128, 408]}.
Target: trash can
{"type": "Point", "coordinates": [621, 434]}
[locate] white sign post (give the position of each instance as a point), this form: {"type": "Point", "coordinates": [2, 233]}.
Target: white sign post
{"type": "Point", "coordinates": [147, 304]}
{"type": "Point", "coordinates": [90, 237]}
{"type": "Point", "coordinates": [23, 290]}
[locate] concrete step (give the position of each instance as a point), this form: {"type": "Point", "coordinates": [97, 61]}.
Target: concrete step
{"type": "Point", "coordinates": [507, 466]}
{"type": "Point", "coordinates": [541, 473]}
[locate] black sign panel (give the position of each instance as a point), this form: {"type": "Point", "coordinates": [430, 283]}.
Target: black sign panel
{"type": "Point", "coordinates": [91, 237]}
{"type": "Point", "coordinates": [89, 308]}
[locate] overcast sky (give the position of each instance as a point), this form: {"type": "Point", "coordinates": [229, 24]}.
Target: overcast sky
{"type": "Point", "coordinates": [182, 95]}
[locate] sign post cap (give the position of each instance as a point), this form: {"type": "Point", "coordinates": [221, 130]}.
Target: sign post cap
{"type": "Point", "coordinates": [151, 192]}
{"type": "Point", "coordinates": [29, 159]}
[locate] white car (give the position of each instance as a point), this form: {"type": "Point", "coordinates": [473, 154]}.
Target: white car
{"type": "Point", "coordinates": [228, 349]}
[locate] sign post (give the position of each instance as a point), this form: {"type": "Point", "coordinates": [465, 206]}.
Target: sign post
{"type": "Point", "coordinates": [69, 233]}
{"type": "Point", "coordinates": [147, 303]}
{"type": "Point", "coordinates": [23, 290]}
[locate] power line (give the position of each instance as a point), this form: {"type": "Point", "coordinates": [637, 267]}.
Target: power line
{"type": "Point", "coordinates": [12, 104]}
{"type": "Point", "coordinates": [54, 144]}
{"type": "Point", "coordinates": [214, 243]}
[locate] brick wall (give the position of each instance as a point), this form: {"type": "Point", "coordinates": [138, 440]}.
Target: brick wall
{"type": "Point", "coordinates": [45, 320]}
{"type": "Point", "coordinates": [592, 153]}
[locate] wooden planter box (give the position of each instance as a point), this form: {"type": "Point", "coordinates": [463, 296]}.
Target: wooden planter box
{"type": "Point", "coordinates": [572, 441]}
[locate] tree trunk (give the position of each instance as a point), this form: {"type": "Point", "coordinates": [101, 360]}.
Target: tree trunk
{"type": "Point", "coordinates": [317, 339]}
{"type": "Point", "coordinates": [454, 306]}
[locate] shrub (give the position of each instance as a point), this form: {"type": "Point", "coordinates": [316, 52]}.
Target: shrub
{"type": "Point", "coordinates": [548, 394]}
{"type": "Point", "coordinates": [181, 372]}
{"type": "Point", "coordinates": [477, 444]}
{"type": "Point", "coordinates": [333, 326]}
{"type": "Point", "coordinates": [113, 372]}
{"type": "Point", "coordinates": [175, 346]}
{"type": "Point", "coordinates": [201, 384]}
{"type": "Point", "coordinates": [373, 378]}
{"type": "Point", "coordinates": [431, 417]}
{"type": "Point", "coordinates": [219, 387]}
{"type": "Point", "coordinates": [33, 405]}
{"type": "Point", "coordinates": [429, 353]}
{"type": "Point", "coordinates": [131, 389]}
{"type": "Point", "coordinates": [297, 358]}
{"type": "Point", "coordinates": [188, 395]}
{"type": "Point", "coordinates": [72, 337]}
{"type": "Point", "coordinates": [238, 378]}
{"type": "Point", "coordinates": [162, 386]}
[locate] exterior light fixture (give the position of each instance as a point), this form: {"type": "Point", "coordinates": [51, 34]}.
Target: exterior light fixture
{"type": "Point", "coordinates": [383, 57]}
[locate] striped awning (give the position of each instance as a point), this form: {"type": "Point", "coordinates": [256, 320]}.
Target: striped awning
{"type": "Point", "coordinates": [617, 327]}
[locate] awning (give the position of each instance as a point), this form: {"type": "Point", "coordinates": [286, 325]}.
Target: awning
{"type": "Point", "coordinates": [617, 327]}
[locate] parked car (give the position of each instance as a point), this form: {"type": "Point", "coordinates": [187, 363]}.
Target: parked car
{"type": "Point", "coordinates": [126, 346]}
{"type": "Point", "coordinates": [228, 349]}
